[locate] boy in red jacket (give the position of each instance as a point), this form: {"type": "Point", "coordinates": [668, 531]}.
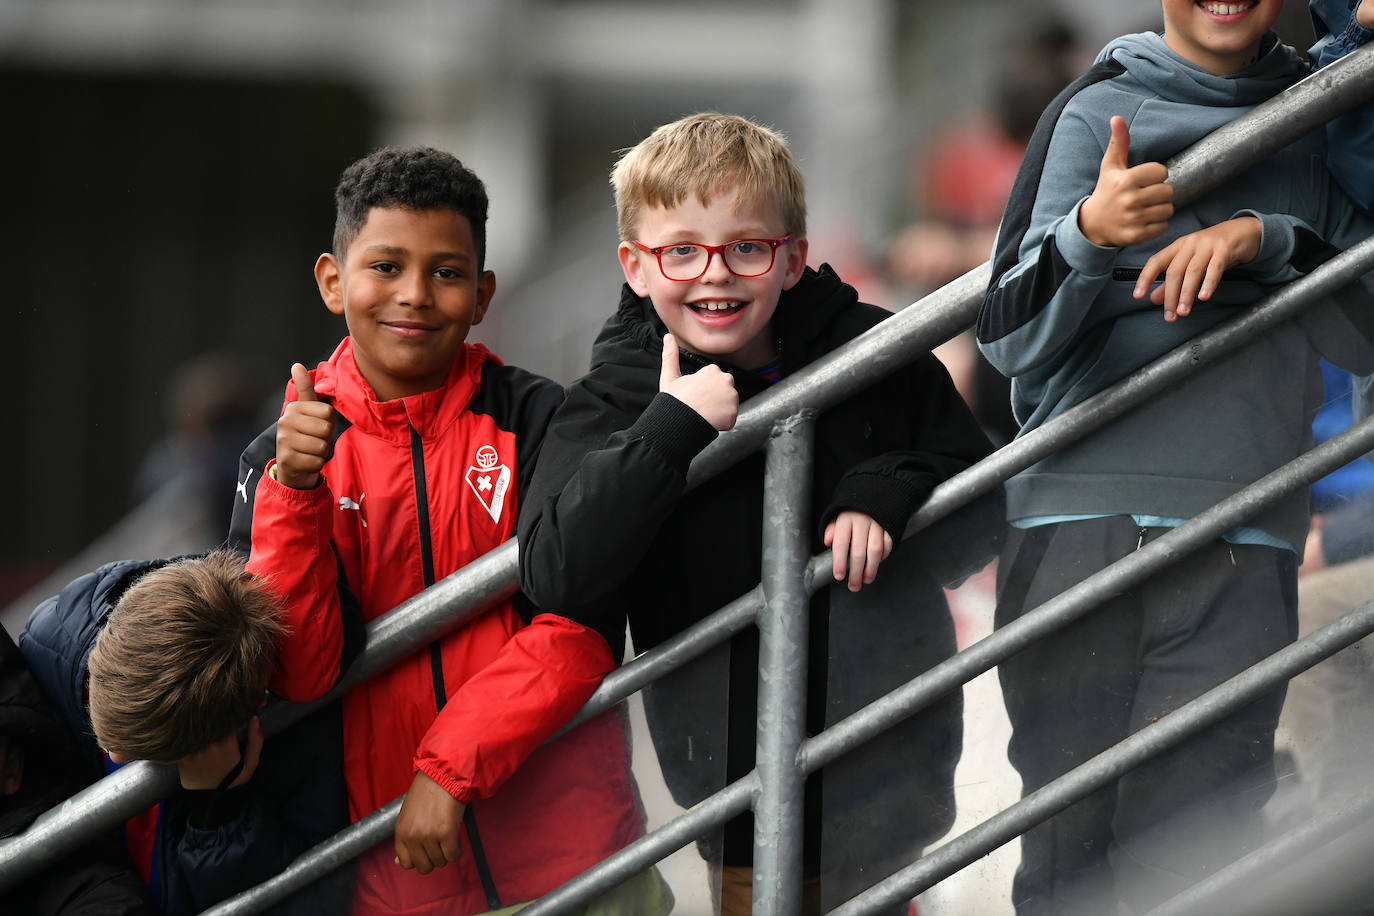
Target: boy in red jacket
{"type": "Point", "coordinates": [395, 462]}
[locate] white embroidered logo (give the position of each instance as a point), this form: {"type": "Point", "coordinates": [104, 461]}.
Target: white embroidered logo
{"type": "Point", "coordinates": [357, 506]}
{"type": "Point", "coordinates": [489, 479]}
{"type": "Point", "coordinates": [243, 486]}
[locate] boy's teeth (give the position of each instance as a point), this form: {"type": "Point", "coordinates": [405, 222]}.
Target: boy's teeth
{"type": "Point", "coordinates": [1225, 9]}
{"type": "Point", "coordinates": [716, 306]}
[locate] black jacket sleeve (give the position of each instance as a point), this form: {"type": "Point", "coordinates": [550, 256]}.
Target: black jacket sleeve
{"type": "Point", "coordinates": [613, 467]}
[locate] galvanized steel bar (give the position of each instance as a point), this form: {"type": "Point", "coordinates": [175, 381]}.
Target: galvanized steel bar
{"type": "Point", "coordinates": [136, 787]}
{"type": "Point", "coordinates": [315, 863]}
{"type": "Point", "coordinates": [930, 321]}
{"type": "Point", "coordinates": [1269, 861]}
{"type": "Point", "coordinates": [1274, 124]}
{"type": "Point", "coordinates": [941, 315]}
{"type": "Point", "coordinates": [783, 641]}
{"type": "Point", "coordinates": [1077, 601]}
{"type": "Point", "coordinates": [671, 654]}
{"type": "Point", "coordinates": [712, 812]}
{"type": "Point", "coordinates": [1170, 730]}
{"type": "Point", "coordinates": [1287, 303]}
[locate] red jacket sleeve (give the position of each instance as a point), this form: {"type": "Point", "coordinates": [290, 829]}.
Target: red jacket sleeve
{"type": "Point", "coordinates": [499, 716]}
{"type": "Point", "coordinates": [291, 550]}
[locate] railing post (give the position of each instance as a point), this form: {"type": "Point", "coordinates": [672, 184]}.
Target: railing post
{"type": "Point", "coordinates": [783, 634]}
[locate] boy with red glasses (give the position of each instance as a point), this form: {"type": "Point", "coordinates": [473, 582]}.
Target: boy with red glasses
{"type": "Point", "coordinates": [718, 305]}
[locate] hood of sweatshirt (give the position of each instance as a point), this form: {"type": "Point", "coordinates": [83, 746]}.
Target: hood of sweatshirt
{"type": "Point", "coordinates": [1160, 70]}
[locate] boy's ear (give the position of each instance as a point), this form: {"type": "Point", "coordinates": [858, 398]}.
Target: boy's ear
{"type": "Point", "coordinates": [634, 270]}
{"type": "Point", "coordinates": [795, 262]}
{"type": "Point", "coordinates": [329, 278]}
{"type": "Point", "coordinates": [486, 288]}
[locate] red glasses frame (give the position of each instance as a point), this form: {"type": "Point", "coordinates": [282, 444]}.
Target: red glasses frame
{"type": "Point", "coordinates": [712, 251]}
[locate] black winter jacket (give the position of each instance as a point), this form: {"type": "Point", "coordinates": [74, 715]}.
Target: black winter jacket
{"type": "Point", "coordinates": [209, 845]}
{"type": "Point", "coordinates": [608, 532]}
{"type": "Point", "coordinates": [98, 878]}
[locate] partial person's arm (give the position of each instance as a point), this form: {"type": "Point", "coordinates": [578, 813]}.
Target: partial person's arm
{"type": "Point", "coordinates": [1075, 204]}
{"type": "Point", "coordinates": [490, 726]}
{"type": "Point", "coordinates": [612, 470]}
{"type": "Point", "coordinates": [287, 534]}
{"type": "Point", "coordinates": [1350, 137]}
{"type": "Point", "coordinates": [889, 488]}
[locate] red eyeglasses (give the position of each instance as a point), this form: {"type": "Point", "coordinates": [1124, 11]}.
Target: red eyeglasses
{"type": "Point", "coordinates": [742, 257]}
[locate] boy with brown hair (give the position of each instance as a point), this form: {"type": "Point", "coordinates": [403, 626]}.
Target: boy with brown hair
{"type": "Point", "coordinates": [719, 305]}
{"type": "Point", "coordinates": [1090, 226]}
{"type": "Point", "coordinates": [168, 660]}
{"type": "Point", "coordinates": [397, 461]}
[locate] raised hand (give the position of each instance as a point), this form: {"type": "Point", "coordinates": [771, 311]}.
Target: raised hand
{"type": "Point", "coordinates": [709, 391]}
{"type": "Point", "coordinates": [1130, 205]}
{"type": "Point", "coordinates": [303, 434]}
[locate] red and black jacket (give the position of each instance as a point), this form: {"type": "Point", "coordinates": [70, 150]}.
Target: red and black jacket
{"type": "Point", "coordinates": [413, 489]}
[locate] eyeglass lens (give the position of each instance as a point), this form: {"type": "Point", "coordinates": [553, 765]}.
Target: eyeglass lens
{"type": "Point", "coordinates": [746, 258]}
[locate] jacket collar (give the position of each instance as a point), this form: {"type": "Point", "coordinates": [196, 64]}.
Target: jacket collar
{"type": "Point", "coordinates": [339, 381]}
{"type": "Point", "coordinates": [803, 314]}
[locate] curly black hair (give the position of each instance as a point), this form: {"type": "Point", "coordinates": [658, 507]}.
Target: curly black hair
{"type": "Point", "coordinates": [414, 177]}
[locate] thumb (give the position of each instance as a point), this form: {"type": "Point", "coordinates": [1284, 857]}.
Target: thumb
{"type": "Point", "coordinates": [1118, 147]}
{"type": "Point", "coordinates": [305, 388]}
{"type": "Point", "coordinates": [671, 371]}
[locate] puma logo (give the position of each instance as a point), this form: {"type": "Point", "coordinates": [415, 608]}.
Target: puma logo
{"type": "Point", "coordinates": [242, 490]}
{"type": "Point", "coordinates": [356, 505]}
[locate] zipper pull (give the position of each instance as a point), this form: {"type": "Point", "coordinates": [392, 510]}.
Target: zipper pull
{"type": "Point", "coordinates": [1140, 542]}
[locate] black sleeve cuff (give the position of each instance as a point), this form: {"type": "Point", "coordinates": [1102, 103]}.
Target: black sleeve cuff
{"type": "Point", "coordinates": [673, 430]}
{"type": "Point", "coordinates": [888, 500]}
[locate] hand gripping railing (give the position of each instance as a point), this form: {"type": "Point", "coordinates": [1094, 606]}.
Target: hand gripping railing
{"type": "Point", "coordinates": [934, 319]}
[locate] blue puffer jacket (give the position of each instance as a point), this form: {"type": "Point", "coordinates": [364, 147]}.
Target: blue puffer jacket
{"type": "Point", "coordinates": [208, 846]}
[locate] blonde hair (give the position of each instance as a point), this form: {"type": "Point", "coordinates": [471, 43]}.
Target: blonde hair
{"type": "Point", "coordinates": [184, 658]}
{"type": "Point", "coordinates": [705, 155]}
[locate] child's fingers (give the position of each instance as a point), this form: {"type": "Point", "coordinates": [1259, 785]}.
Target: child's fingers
{"type": "Point", "coordinates": [1158, 262]}
{"type": "Point", "coordinates": [1173, 283]}
{"type": "Point", "coordinates": [1192, 279]}
{"type": "Point", "coordinates": [1216, 267]}
{"type": "Point", "coordinates": [1155, 214]}
{"type": "Point", "coordinates": [1118, 147]}
{"type": "Point", "coordinates": [670, 370]}
{"type": "Point", "coordinates": [305, 388]}
{"type": "Point", "coordinates": [860, 555]}
{"type": "Point", "coordinates": [450, 849]}
{"type": "Point", "coordinates": [879, 544]}
{"type": "Point", "coordinates": [843, 531]}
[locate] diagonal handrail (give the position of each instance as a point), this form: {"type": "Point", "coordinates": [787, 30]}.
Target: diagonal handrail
{"type": "Point", "coordinates": [888, 346]}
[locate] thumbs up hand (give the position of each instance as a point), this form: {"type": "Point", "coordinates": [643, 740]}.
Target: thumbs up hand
{"type": "Point", "coordinates": [303, 434]}
{"type": "Point", "coordinates": [1130, 205]}
{"type": "Point", "coordinates": [709, 391]}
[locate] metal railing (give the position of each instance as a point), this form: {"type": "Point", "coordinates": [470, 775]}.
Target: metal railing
{"type": "Point", "coordinates": [780, 420]}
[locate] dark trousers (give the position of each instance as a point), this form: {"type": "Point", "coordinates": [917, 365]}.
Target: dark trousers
{"type": "Point", "coordinates": [1181, 815]}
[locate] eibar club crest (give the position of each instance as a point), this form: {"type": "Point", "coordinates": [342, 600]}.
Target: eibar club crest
{"type": "Point", "coordinates": [489, 479]}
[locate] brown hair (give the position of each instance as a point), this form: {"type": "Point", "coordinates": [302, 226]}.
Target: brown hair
{"type": "Point", "coordinates": [704, 155]}
{"type": "Point", "coordinates": [184, 658]}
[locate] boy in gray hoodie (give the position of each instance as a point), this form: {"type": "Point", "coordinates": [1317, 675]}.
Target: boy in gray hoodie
{"type": "Point", "coordinates": [1089, 227]}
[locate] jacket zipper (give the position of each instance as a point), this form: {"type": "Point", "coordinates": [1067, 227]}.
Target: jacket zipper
{"type": "Point", "coordinates": [436, 660]}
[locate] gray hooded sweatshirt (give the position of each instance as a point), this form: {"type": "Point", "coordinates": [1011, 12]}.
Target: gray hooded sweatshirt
{"type": "Point", "coordinates": [1060, 320]}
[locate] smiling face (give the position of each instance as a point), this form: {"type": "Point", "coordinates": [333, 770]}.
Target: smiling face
{"type": "Point", "coordinates": [409, 289]}
{"type": "Point", "coordinates": [718, 315]}
{"type": "Point", "coordinates": [1220, 36]}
